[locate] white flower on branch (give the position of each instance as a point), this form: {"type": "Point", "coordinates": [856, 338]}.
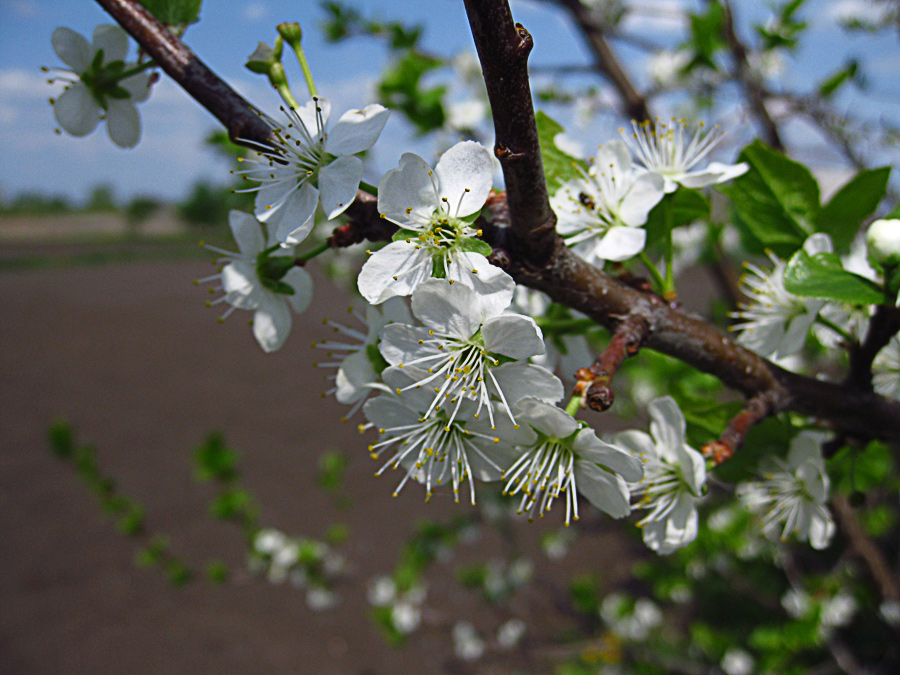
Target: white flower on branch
{"type": "Point", "coordinates": [311, 165]}
{"type": "Point", "coordinates": [886, 370]}
{"type": "Point", "coordinates": [776, 321]}
{"type": "Point", "coordinates": [791, 498]}
{"type": "Point", "coordinates": [99, 86]}
{"type": "Point", "coordinates": [669, 151]}
{"type": "Point", "coordinates": [359, 363]}
{"type": "Point", "coordinates": [674, 477]}
{"type": "Point", "coordinates": [435, 211]}
{"type": "Point", "coordinates": [567, 459]}
{"type": "Point", "coordinates": [600, 213]}
{"type": "Point", "coordinates": [261, 279]}
{"type": "Point", "coordinates": [435, 449]}
{"type": "Point", "coordinates": [469, 349]}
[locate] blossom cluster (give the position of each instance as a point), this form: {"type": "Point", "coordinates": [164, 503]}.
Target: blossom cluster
{"type": "Point", "coordinates": [452, 370]}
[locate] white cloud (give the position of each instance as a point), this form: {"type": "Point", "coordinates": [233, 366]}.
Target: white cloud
{"type": "Point", "coordinates": [861, 10]}
{"type": "Point", "coordinates": [25, 8]}
{"type": "Point", "coordinates": [655, 16]}
{"type": "Point", "coordinates": [256, 11]}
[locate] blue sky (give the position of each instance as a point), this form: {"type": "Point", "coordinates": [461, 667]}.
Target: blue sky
{"type": "Point", "coordinates": [171, 157]}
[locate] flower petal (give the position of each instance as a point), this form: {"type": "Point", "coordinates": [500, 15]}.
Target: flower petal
{"type": "Point", "coordinates": [123, 122]}
{"type": "Point", "coordinates": [272, 322]}
{"type": "Point", "coordinates": [620, 243]}
{"type": "Point", "coordinates": [645, 193]}
{"type": "Point", "coordinates": [338, 183]}
{"type": "Point", "coordinates": [448, 308]}
{"type": "Point", "coordinates": [588, 447]}
{"type": "Point", "coordinates": [513, 335]}
{"type": "Point", "coordinates": [355, 373]}
{"type": "Point", "coordinates": [667, 426]}
{"type": "Point", "coordinates": [138, 86]}
{"type": "Point", "coordinates": [547, 418]}
{"type": "Point", "coordinates": [394, 270]}
{"type": "Point", "coordinates": [465, 174]}
{"type": "Point", "coordinates": [241, 285]}
{"type": "Point", "coordinates": [295, 218]}
{"type": "Point", "coordinates": [518, 380]}
{"type": "Point", "coordinates": [112, 40]}
{"type": "Point", "coordinates": [299, 279]}
{"type": "Point", "coordinates": [493, 286]}
{"type": "Point", "coordinates": [76, 111]}
{"type": "Point", "coordinates": [604, 489]}
{"type": "Point", "coordinates": [400, 343]}
{"type": "Point", "coordinates": [357, 130]}
{"type": "Point", "coordinates": [247, 232]}
{"type": "Point", "coordinates": [409, 186]}
{"type": "Point", "coordinates": [72, 48]}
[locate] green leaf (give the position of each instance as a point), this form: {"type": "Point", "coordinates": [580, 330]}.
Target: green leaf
{"type": "Point", "coordinates": [823, 276]}
{"type": "Point", "coordinates": [843, 215]}
{"type": "Point", "coordinates": [214, 460]}
{"type": "Point", "coordinates": [62, 439]}
{"type": "Point", "coordinates": [777, 200]}
{"type": "Point", "coordinates": [686, 206]}
{"type": "Point", "coordinates": [473, 245]}
{"type": "Point", "coordinates": [834, 82]}
{"type": "Point", "coordinates": [559, 167]}
{"type": "Point", "coordinates": [174, 12]}
{"type": "Point", "coordinates": [405, 235]}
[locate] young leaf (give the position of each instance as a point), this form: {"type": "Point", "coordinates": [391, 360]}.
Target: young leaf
{"type": "Point", "coordinates": [174, 12]}
{"type": "Point", "coordinates": [777, 200]}
{"type": "Point", "coordinates": [823, 276]}
{"type": "Point", "coordinates": [843, 215]}
{"type": "Point", "coordinates": [559, 167]}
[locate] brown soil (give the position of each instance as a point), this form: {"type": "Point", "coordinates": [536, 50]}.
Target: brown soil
{"type": "Point", "coordinates": [129, 355]}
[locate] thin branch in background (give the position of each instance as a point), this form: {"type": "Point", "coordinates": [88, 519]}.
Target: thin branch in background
{"type": "Point", "coordinates": [866, 550]}
{"type": "Point", "coordinates": [749, 81]}
{"type": "Point", "coordinates": [605, 61]}
{"type": "Point", "coordinates": [180, 63]}
{"type": "Point", "coordinates": [754, 411]}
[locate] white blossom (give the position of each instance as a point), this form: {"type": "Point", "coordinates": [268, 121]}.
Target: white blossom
{"type": "Point", "coordinates": [456, 354]}
{"type": "Point", "coordinates": [310, 165]}
{"type": "Point", "coordinates": [435, 211]}
{"type": "Point", "coordinates": [776, 321]}
{"type": "Point", "coordinates": [435, 449]}
{"type": "Point", "coordinates": [886, 370]}
{"type": "Point", "coordinates": [792, 495]}
{"type": "Point", "coordinates": [467, 644]}
{"type": "Point", "coordinates": [600, 212]}
{"type": "Point", "coordinates": [95, 87]}
{"type": "Point", "coordinates": [669, 151]}
{"type": "Point", "coordinates": [268, 285]}
{"type": "Point", "coordinates": [674, 477]}
{"type": "Point", "coordinates": [567, 459]}
{"type": "Point", "coordinates": [359, 362]}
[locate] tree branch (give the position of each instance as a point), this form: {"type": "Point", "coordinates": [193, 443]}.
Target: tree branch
{"type": "Point", "coordinates": [180, 63]}
{"type": "Point", "coordinates": [503, 48]}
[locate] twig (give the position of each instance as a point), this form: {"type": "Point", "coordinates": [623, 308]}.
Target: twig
{"type": "Point", "coordinates": [596, 381]}
{"type": "Point", "coordinates": [866, 549]}
{"type": "Point", "coordinates": [754, 411]}
{"type": "Point", "coordinates": [180, 63]}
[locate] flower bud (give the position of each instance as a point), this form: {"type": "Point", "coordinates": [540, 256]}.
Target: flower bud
{"type": "Point", "coordinates": [291, 32]}
{"type": "Point", "coordinates": [883, 243]}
